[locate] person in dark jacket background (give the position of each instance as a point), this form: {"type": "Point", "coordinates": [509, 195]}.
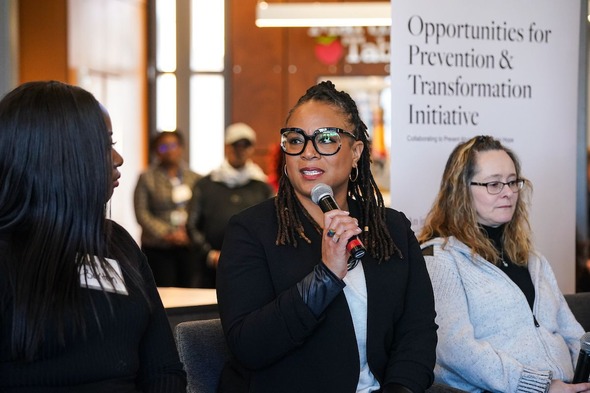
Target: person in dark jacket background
{"type": "Point", "coordinates": [237, 184]}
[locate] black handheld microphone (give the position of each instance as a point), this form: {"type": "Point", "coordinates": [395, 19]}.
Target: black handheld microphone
{"type": "Point", "coordinates": [582, 372]}
{"type": "Point", "coordinates": [322, 195]}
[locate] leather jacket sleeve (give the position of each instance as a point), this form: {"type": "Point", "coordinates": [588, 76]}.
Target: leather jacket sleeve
{"type": "Point", "coordinates": [319, 288]}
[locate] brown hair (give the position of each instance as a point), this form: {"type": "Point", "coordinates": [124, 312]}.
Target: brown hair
{"type": "Point", "coordinates": [453, 214]}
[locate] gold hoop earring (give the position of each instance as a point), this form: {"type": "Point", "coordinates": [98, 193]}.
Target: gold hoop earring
{"type": "Point", "coordinates": [356, 174]}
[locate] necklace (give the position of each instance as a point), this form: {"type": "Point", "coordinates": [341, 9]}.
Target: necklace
{"type": "Point", "coordinates": [502, 258]}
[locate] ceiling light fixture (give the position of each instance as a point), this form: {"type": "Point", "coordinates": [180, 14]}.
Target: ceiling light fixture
{"type": "Point", "coordinates": [375, 13]}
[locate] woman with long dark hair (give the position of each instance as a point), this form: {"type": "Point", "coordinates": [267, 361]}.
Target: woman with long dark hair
{"type": "Point", "coordinates": [79, 310]}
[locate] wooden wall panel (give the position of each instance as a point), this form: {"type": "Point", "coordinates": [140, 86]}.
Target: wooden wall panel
{"type": "Point", "coordinates": [43, 45]}
{"type": "Point", "coordinates": [256, 78]}
{"type": "Point", "coordinates": [270, 68]}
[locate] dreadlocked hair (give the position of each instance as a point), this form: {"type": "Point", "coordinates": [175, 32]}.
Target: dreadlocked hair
{"type": "Point", "coordinates": [363, 189]}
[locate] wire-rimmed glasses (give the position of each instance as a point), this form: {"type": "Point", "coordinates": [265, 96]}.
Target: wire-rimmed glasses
{"type": "Point", "coordinates": [496, 187]}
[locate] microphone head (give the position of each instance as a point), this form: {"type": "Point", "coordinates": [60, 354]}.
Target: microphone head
{"type": "Point", "coordinates": [319, 191]}
{"type": "Point", "coordinates": [585, 342]}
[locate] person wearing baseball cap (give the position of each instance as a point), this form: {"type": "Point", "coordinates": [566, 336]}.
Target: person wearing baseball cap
{"type": "Point", "coordinates": [238, 183]}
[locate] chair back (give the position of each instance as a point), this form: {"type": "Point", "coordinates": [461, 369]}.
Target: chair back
{"type": "Point", "coordinates": [203, 351]}
{"type": "Point", "coordinates": [579, 303]}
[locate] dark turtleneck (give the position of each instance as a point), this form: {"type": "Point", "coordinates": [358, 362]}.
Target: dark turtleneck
{"type": "Point", "coordinates": [519, 274]}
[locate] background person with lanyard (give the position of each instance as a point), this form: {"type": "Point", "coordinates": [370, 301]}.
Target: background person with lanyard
{"type": "Point", "coordinates": [161, 198]}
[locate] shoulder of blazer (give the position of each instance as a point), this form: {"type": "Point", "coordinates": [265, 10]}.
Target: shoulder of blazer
{"type": "Point", "coordinates": [264, 211]}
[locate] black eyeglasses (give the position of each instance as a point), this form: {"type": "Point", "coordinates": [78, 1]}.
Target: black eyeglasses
{"type": "Point", "coordinates": [496, 187]}
{"type": "Point", "coordinates": [326, 140]}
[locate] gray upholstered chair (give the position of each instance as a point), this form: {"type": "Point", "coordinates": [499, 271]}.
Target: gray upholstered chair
{"type": "Point", "coordinates": [203, 351]}
{"type": "Point", "coordinates": [580, 305]}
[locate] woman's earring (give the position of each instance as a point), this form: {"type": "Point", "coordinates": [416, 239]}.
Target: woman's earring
{"type": "Point", "coordinates": [356, 175]}
{"type": "Point", "coordinates": [285, 170]}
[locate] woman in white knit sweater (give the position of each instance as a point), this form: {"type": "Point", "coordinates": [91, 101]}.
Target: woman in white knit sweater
{"type": "Point", "coordinates": [504, 325]}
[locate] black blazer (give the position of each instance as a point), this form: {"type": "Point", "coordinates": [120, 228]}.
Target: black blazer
{"type": "Point", "coordinates": [279, 346]}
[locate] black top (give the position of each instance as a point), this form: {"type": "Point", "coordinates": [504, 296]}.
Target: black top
{"type": "Point", "coordinates": [134, 351]}
{"type": "Point", "coordinates": [212, 205]}
{"type": "Point", "coordinates": [519, 274]}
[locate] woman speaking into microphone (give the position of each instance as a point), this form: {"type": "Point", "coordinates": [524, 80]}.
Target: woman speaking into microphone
{"type": "Point", "coordinates": [300, 313]}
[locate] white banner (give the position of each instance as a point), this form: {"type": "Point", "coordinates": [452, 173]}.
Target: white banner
{"type": "Point", "coordinates": [507, 68]}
